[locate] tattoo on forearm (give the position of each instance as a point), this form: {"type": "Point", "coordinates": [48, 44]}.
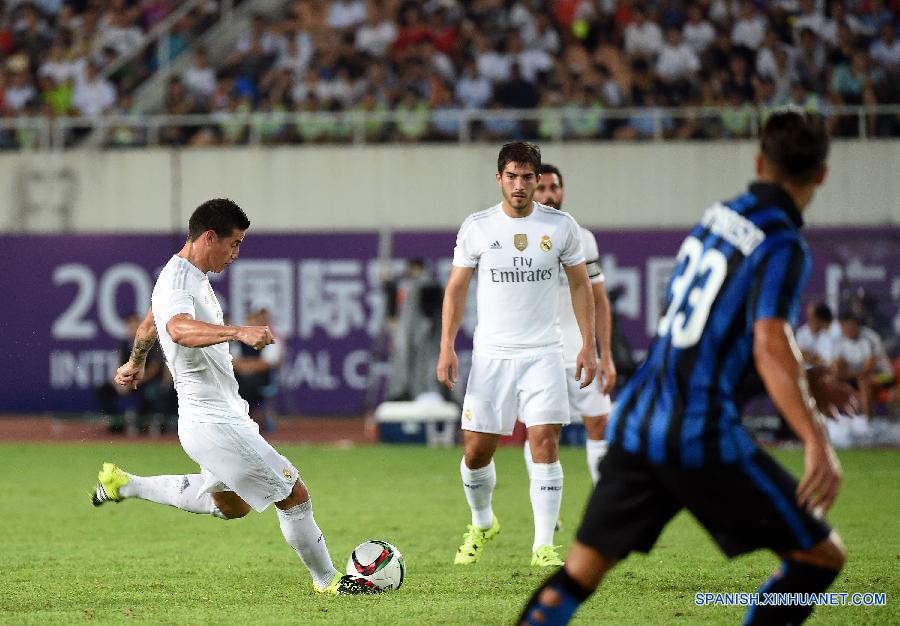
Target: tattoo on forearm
{"type": "Point", "coordinates": [141, 349]}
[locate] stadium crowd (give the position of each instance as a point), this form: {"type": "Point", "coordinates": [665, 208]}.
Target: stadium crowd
{"type": "Point", "coordinates": [571, 60]}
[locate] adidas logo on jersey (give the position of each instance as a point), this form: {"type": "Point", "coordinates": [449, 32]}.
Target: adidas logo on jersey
{"type": "Point", "coordinates": [496, 246]}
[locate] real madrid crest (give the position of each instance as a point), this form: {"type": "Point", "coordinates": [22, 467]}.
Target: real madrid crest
{"type": "Point", "coordinates": [520, 241]}
{"type": "Point", "coordinates": [546, 244]}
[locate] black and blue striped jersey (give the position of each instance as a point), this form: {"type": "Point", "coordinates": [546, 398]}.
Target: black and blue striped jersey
{"type": "Point", "coordinates": [744, 261]}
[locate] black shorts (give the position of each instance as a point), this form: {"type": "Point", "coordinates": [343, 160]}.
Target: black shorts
{"type": "Point", "coordinates": [744, 506]}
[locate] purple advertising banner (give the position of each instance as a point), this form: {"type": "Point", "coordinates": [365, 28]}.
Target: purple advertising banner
{"type": "Point", "coordinates": [66, 298]}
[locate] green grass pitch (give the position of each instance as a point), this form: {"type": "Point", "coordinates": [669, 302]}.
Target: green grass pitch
{"type": "Point", "coordinates": [62, 561]}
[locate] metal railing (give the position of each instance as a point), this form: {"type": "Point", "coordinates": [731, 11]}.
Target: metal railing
{"type": "Point", "coordinates": [450, 125]}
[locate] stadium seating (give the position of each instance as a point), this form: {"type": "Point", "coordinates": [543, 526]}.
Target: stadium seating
{"type": "Point", "coordinates": [392, 70]}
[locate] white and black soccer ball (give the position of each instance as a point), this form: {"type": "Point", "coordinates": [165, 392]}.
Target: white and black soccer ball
{"type": "Point", "coordinates": [378, 562]}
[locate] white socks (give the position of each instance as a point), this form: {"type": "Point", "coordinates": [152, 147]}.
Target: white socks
{"type": "Point", "coordinates": [182, 492]}
{"type": "Point", "coordinates": [596, 450]}
{"type": "Point", "coordinates": [303, 535]}
{"type": "Point", "coordinates": [479, 487]}
{"type": "Point", "coordinates": [546, 497]}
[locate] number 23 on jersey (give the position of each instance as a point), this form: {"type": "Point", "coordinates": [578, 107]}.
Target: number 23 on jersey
{"type": "Point", "coordinates": [693, 292]}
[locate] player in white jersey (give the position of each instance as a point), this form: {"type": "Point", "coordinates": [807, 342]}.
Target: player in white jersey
{"type": "Point", "coordinates": [239, 470]}
{"type": "Point", "coordinates": [518, 248]}
{"type": "Point", "coordinates": [589, 404]}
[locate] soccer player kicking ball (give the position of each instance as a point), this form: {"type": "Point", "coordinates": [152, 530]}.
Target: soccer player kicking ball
{"type": "Point", "coordinates": [518, 248]}
{"type": "Point", "coordinates": [590, 404]}
{"type": "Point", "coordinates": [239, 469]}
{"type": "Point", "coordinates": [676, 439]}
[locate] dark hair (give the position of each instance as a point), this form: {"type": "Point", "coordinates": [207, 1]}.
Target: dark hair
{"type": "Point", "coordinates": [847, 315]}
{"type": "Point", "coordinates": [546, 168]}
{"type": "Point", "coordinates": [220, 215]}
{"type": "Point", "coordinates": [796, 143]}
{"type": "Point", "coordinates": [519, 152]}
{"type": "Point", "coordinates": [823, 312]}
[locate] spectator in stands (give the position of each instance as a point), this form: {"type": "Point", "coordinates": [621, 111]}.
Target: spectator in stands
{"type": "Point", "coordinates": [697, 32]}
{"type": "Point", "coordinates": [20, 90]}
{"type": "Point", "coordinates": [345, 15]}
{"type": "Point", "coordinates": [473, 90]}
{"type": "Point", "coordinates": [376, 36]}
{"type": "Point", "coordinates": [256, 370]}
{"type": "Point", "coordinates": [749, 28]}
{"type": "Point", "coordinates": [375, 127]}
{"type": "Point", "coordinates": [810, 60]}
{"type": "Point", "coordinates": [545, 37]}
{"type": "Point", "coordinates": [412, 117]}
{"type": "Point", "coordinates": [816, 338]}
{"type": "Point", "coordinates": [412, 28]}
{"type": "Point", "coordinates": [516, 92]}
{"type": "Point", "coordinates": [443, 29]}
{"type": "Point", "coordinates": [118, 31]}
{"type": "Point", "coordinates": [200, 78]}
{"type": "Point", "coordinates": [95, 95]}
{"type": "Point", "coordinates": [31, 34]}
{"type": "Point", "coordinates": [677, 65]}
{"type": "Point", "coordinates": [492, 60]}
{"type": "Point", "coordinates": [532, 62]}
{"type": "Point", "coordinates": [643, 37]}
{"type": "Point", "coordinates": [859, 358]}
{"type": "Point", "coordinates": [886, 50]}
{"type": "Point", "coordinates": [178, 101]}
{"type": "Point", "coordinates": [584, 117]}
{"type": "Point", "coordinates": [773, 62]}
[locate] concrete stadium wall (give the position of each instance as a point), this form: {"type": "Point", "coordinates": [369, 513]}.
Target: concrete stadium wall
{"type": "Point", "coordinates": [610, 185]}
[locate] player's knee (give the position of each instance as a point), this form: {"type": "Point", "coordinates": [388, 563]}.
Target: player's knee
{"type": "Point", "coordinates": [595, 427]}
{"type": "Point", "coordinates": [477, 458]}
{"type": "Point", "coordinates": [544, 449]}
{"type": "Point", "coordinates": [830, 554]}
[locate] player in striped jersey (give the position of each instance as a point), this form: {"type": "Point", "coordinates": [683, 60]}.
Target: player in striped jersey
{"type": "Point", "coordinates": [676, 440]}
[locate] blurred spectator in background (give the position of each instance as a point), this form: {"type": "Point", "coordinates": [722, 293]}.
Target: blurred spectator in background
{"type": "Point", "coordinates": [859, 359]}
{"type": "Point", "coordinates": [200, 78]}
{"type": "Point", "coordinates": [643, 37]}
{"type": "Point", "coordinates": [256, 371]}
{"type": "Point", "coordinates": [816, 338]}
{"type": "Point", "coordinates": [155, 395]}
{"type": "Point", "coordinates": [416, 333]}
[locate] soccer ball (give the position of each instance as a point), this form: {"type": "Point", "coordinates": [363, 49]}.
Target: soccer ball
{"type": "Point", "coordinates": [378, 562]}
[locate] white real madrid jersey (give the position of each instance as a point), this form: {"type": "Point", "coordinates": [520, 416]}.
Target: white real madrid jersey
{"type": "Point", "coordinates": [518, 261]}
{"type": "Point", "coordinates": [204, 377]}
{"type": "Point", "coordinates": [570, 333]}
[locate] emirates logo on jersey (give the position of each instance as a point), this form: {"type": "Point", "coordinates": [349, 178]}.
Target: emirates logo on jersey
{"type": "Point", "coordinates": [520, 241]}
{"type": "Point", "coordinates": [546, 244]}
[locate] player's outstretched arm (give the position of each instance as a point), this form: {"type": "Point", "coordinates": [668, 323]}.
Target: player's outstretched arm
{"type": "Point", "coordinates": [451, 317]}
{"type": "Point", "coordinates": [583, 304]}
{"type": "Point", "coordinates": [778, 363]}
{"type": "Point", "coordinates": [131, 373]}
{"type": "Point", "coordinates": [186, 331]}
{"type": "Point", "coordinates": [606, 368]}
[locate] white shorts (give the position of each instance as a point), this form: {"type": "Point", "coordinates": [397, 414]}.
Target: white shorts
{"type": "Point", "coordinates": [590, 401]}
{"type": "Point", "coordinates": [235, 457]}
{"type": "Point", "coordinates": [532, 389]}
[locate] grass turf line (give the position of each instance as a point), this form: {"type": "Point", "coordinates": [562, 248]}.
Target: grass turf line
{"type": "Point", "coordinates": [62, 561]}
